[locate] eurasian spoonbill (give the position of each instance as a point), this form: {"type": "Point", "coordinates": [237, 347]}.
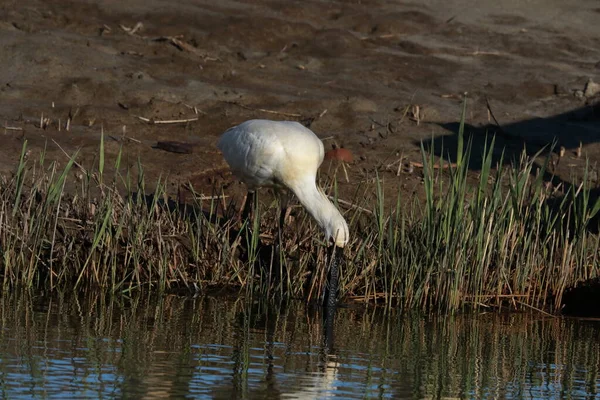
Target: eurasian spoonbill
{"type": "Point", "coordinates": [286, 155]}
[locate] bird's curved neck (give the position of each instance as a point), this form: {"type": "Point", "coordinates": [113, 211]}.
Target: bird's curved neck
{"type": "Point", "coordinates": [316, 203]}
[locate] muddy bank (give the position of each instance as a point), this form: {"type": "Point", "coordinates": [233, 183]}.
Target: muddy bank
{"type": "Point", "coordinates": [375, 77]}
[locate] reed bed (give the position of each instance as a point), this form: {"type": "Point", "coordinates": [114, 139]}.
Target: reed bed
{"type": "Point", "coordinates": [504, 240]}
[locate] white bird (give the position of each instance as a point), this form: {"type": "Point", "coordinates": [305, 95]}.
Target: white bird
{"type": "Point", "coordinates": [284, 154]}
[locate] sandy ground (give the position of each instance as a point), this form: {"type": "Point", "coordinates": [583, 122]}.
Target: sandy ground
{"type": "Point", "coordinates": [376, 77]}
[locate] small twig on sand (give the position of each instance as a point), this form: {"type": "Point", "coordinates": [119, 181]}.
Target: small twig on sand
{"type": "Point", "coordinates": [171, 121]}
{"type": "Point", "coordinates": [178, 43]}
{"type": "Point", "coordinates": [489, 107]}
{"type": "Point", "coordinates": [120, 139]}
{"type": "Point", "coordinates": [400, 164]}
{"type": "Point", "coordinates": [351, 205]}
{"type": "Point", "coordinates": [345, 171]}
{"type": "Point", "coordinates": [196, 109]}
{"type": "Point", "coordinates": [13, 128]}
{"type": "Point", "coordinates": [451, 96]}
{"type": "Point", "coordinates": [416, 114]}
{"type": "Point", "coordinates": [487, 53]}
{"type": "Point", "coordinates": [435, 166]}
{"type": "Point", "coordinates": [221, 168]}
{"type": "Point", "coordinates": [132, 31]}
{"type": "Point", "coordinates": [67, 154]}
{"type": "Point", "coordinates": [377, 122]}
{"type": "Point", "coordinates": [264, 110]}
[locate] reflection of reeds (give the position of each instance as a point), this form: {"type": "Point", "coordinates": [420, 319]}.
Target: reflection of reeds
{"type": "Point", "coordinates": [503, 238]}
{"type": "Point", "coordinates": [168, 346]}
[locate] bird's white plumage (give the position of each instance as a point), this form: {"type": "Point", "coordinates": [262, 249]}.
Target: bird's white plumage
{"type": "Point", "coordinates": [283, 153]}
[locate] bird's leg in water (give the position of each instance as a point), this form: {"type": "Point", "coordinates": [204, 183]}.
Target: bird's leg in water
{"type": "Point", "coordinates": [337, 259]}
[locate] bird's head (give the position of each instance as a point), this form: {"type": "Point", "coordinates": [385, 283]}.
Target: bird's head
{"type": "Point", "coordinates": [336, 231]}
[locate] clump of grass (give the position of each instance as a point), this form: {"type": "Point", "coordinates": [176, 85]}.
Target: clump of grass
{"type": "Point", "coordinates": [94, 236]}
{"type": "Point", "coordinates": [503, 241]}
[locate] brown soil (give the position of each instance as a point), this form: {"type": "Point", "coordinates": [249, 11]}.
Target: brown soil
{"type": "Point", "coordinates": [373, 76]}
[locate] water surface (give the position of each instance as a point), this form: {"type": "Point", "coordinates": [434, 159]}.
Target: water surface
{"type": "Point", "coordinates": [100, 346]}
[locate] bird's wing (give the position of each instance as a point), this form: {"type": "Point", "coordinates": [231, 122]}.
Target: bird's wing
{"type": "Point", "coordinates": [261, 160]}
{"type": "Point", "coordinates": [252, 152]}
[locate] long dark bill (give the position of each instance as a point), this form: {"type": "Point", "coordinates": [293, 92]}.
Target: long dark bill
{"type": "Point", "coordinates": [337, 261]}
